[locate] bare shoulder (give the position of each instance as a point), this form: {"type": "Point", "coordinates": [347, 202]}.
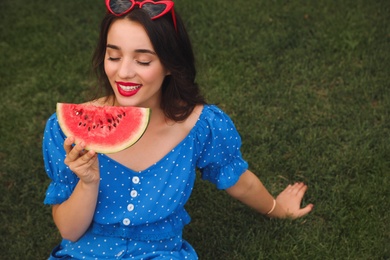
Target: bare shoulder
{"type": "Point", "coordinates": [190, 122]}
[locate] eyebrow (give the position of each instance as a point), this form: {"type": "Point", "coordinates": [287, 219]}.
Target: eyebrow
{"type": "Point", "coordinates": [115, 47]}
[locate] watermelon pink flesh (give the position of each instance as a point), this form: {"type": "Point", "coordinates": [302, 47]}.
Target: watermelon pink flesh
{"type": "Point", "coordinates": [103, 129]}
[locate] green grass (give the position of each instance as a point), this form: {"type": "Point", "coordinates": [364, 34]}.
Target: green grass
{"type": "Point", "coordinates": [306, 83]}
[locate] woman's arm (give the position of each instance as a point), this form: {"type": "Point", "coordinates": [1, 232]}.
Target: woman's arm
{"type": "Point", "coordinates": [74, 216]}
{"type": "Point", "coordinates": [251, 191]}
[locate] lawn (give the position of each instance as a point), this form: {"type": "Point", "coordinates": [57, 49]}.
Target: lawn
{"type": "Point", "coordinates": [306, 83]}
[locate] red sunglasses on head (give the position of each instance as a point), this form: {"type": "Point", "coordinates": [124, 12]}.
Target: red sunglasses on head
{"type": "Point", "coordinates": [155, 9]}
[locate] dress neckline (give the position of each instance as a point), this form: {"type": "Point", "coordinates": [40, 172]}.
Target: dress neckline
{"type": "Point", "coordinates": [150, 167]}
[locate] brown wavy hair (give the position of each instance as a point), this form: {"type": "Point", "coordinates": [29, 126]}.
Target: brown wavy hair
{"type": "Point", "coordinates": [180, 92]}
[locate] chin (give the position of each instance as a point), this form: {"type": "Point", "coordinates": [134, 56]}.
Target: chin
{"type": "Point", "coordinates": [128, 102]}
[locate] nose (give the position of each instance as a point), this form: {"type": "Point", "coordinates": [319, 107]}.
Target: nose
{"type": "Point", "coordinates": [126, 69]}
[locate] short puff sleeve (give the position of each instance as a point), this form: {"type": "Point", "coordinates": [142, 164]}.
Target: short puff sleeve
{"type": "Point", "coordinates": [220, 160]}
{"type": "Point", "coordinates": [63, 180]}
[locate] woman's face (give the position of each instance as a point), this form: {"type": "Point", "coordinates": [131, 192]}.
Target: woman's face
{"type": "Point", "coordinates": [132, 66]}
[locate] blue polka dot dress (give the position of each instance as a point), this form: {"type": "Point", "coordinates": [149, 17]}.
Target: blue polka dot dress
{"type": "Point", "coordinates": [141, 214]}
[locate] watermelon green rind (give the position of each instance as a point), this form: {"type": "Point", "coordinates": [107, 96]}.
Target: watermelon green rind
{"type": "Point", "coordinates": [103, 129]}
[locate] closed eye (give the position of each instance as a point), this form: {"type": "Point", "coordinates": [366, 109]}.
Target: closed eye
{"type": "Point", "coordinates": [144, 63]}
{"type": "Point", "coordinates": [113, 59]}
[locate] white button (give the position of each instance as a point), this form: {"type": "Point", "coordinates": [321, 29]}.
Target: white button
{"type": "Point", "coordinates": [126, 221]}
{"type": "Point", "coordinates": [135, 179]}
{"type": "Point", "coordinates": [130, 207]}
{"type": "Point", "coordinates": [133, 193]}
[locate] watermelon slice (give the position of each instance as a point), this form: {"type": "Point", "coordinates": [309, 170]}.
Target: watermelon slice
{"type": "Point", "coordinates": [103, 129]}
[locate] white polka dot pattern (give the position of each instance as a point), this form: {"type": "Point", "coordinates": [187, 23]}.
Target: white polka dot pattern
{"type": "Point", "coordinates": [147, 207]}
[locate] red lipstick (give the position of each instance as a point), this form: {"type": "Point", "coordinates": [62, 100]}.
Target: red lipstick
{"type": "Point", "coordinates": [128, 89]}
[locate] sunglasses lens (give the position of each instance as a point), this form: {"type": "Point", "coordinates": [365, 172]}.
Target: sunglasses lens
{"type": "Point", "coordinates": [154, 9]}
{"type": "Point", "coordinates": [120, 6]}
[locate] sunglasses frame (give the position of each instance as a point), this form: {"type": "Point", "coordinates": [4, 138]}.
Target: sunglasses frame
{"type": "Point", "coordinates": [168, 8]}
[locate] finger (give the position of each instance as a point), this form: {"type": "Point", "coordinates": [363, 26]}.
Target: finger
{"type": "Point", "coordinates": [88, 156]}
{"type": "Point", "coordinates": [305, 210]}
{"type": "Point", "coordinates": [293, 188]}
{"type": "Point", "coordinates": [75, 152]}
{"type": "Point", "coordinates": [288, 189]}
{"type": "Point", "coordinates": [68, 144]}
{"type": "Point", "coordinates": [302, 190]}
{"type": "Point", "coordinates": [297, 187]}
{"type": "Point", "coordinates": [83, 162]}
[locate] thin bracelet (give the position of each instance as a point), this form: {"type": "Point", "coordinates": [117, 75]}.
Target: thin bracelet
{"type": "Point", "coordinates": [273, 207]}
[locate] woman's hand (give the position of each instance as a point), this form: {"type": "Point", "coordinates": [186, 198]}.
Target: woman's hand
{"type": "Point", "coordinates": [74, 216]}
{"type": "Point", "coordinates": [83, 163]}
{"type": "Point", "coordinates": [290, 200]}
{"type": "Point", "coordinates": [251, 191]}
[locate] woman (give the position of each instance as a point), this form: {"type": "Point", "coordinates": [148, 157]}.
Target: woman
{"type": "Point", "coordinates": [130, 205]}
